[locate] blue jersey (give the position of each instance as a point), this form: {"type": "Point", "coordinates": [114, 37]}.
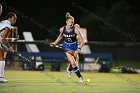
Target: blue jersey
{"type": "Point", "coordinates": [71, 36]}
{"type": "Point", "coordinates": [70, 39]}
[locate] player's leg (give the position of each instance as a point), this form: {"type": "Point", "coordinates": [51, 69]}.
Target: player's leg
{"type": "Point", "coordinates": [2, 65]}
{"type": "Point", "coordinates": [76, 56]}
{"type": "Point", "coordinates": [77, 64]}
{"type": "Point", "coordinates": [69, 67]}
{"type": "Point", "coordinates": [75, 68]}
{"type": "Point", "coordinates": [69, 71]}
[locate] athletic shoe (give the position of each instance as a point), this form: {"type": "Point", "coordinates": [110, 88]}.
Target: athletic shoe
{"type": "Point", "coordinates": [2, 80]}
{"type": "Point", "coordinates": [81, 80]}
{"type": "Point", "coordinates": [68, 73]}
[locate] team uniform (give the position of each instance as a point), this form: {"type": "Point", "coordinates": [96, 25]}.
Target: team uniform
{"type": "Point", "coordinates": [71, 44]}
{"type": "Point", "coordinates": [70, 39]}
{"type": "Point", "coordinates": [4, 24]}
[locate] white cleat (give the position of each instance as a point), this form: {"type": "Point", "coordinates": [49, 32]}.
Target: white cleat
{"type": "Point", "coordinates": [68, 73]}
{"type": "Point", "coordinates": [81, 80]}
{"type": "Point", "coordinates": [2, 80]}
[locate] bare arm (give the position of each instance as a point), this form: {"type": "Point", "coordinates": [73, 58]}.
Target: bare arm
{"type": "Point", "coordinates": [0, 40]}
{"type": "Point", "coordinates": [59, 37]}
{"type": "Point", "coordinates": [80, 37]}
{"type": "Point", "coordinates": [5, 35]}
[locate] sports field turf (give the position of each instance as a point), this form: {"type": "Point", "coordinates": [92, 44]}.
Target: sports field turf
{"type": "Point", "coordinates": [56, 82]}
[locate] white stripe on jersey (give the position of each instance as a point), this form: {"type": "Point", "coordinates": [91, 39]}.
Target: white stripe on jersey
{"type": "Point", "coordinates": [4, 24]}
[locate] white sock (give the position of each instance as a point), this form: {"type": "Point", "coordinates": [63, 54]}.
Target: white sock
{"type": "Point", "coordinates": [77, 63]}
{"type": "Point", "coordinates": [2, 65]}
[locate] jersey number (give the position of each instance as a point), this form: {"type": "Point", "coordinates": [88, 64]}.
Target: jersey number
{"type": "Point", "coordinates": [69, 40]}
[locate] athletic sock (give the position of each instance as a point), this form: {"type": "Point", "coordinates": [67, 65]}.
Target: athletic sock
{"type": "Point", "coordinates": [77, 72]}
{"type": "Point", "coordinates": [70, 67]}
{"type": "Point", "coordinates": [77, 63]}
{"type": "Point", "coordinates": [2, 65]}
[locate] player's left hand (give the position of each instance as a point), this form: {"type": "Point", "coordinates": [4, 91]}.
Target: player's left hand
{"type": "Point", "coordinates": [9, 49]}
{"type": "Point", "coordinates": [78, 51]}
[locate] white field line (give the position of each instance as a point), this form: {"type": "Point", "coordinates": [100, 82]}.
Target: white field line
{"type": "Point", "coordinates": [24, 79]}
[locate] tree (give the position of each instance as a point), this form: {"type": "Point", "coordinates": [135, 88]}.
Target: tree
{"type": "Point", "coordinates": [119, 15]}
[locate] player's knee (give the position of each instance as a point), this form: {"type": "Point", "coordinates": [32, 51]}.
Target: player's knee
{"type": "Point", "coordinates": [73, 65]}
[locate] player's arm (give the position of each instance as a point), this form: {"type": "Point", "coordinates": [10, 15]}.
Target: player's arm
{"type": "Point", "coordinates": [59, 37]}
{"type": "Point", "coordinates": [80, 37]}
{"type": "Point", "coordinates": [0, 40]}
{"type": "Point", "coordinates": [5, 35]}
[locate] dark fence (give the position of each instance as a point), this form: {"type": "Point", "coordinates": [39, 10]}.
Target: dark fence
{"type": "Point", "coordinates": [123, 53]}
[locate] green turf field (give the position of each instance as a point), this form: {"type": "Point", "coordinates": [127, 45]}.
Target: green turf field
{"type": "Point", "coordinates": [56, 82]}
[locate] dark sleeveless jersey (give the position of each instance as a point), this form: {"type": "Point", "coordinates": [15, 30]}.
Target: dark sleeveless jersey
{"type": "Point", "coordinates": [70, 36]}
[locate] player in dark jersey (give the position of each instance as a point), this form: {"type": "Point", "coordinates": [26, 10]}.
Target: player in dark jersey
{"type": "Point", "coordinates": [70, 33]}
{"type": "Point", "coordinates": [76, 56]}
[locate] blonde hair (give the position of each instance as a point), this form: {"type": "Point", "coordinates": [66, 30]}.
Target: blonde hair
{"type": "Point", "coordinates": [68, 16]}
{"type": "Point", "coordinates": [77, 25]}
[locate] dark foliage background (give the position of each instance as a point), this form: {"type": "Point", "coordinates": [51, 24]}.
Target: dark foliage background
{"type": "Point", "coordinates": [44, 18]}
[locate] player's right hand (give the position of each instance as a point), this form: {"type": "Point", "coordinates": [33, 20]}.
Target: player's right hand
{"type": "Point", "coordinates": [52, 44]}
{"type": "Point", "coordinates": [10, 49]}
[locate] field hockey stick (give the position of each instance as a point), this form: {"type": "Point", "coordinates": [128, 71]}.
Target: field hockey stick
{"type": "Point", "coordinates": [58, 46]}
{"type": "Point", "coordinates": [96, 61]}
{"type": "Point", "coordinates": [20, 55]}
{"type": "Point", "coordinates": [11, 39]}
{"type": "Point", "coordinates": [4, 47]}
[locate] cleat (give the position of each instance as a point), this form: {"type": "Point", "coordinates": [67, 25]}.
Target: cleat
{"type": "Point", "coordinates": [81, 80]}
{"type": "Point", "coordinates": [2, 80]}
{"type": "Point", "coordinates": [68, 73]}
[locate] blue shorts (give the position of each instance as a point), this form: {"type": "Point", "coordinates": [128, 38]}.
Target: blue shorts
{"type": "Point", "coordinates": [70, 46]}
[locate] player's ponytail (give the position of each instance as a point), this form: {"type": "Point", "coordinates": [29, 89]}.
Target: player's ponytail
{"type": "Point", "coordinates": [68, 16]}
{"type": "Point", "coordinates": [10, 15]}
